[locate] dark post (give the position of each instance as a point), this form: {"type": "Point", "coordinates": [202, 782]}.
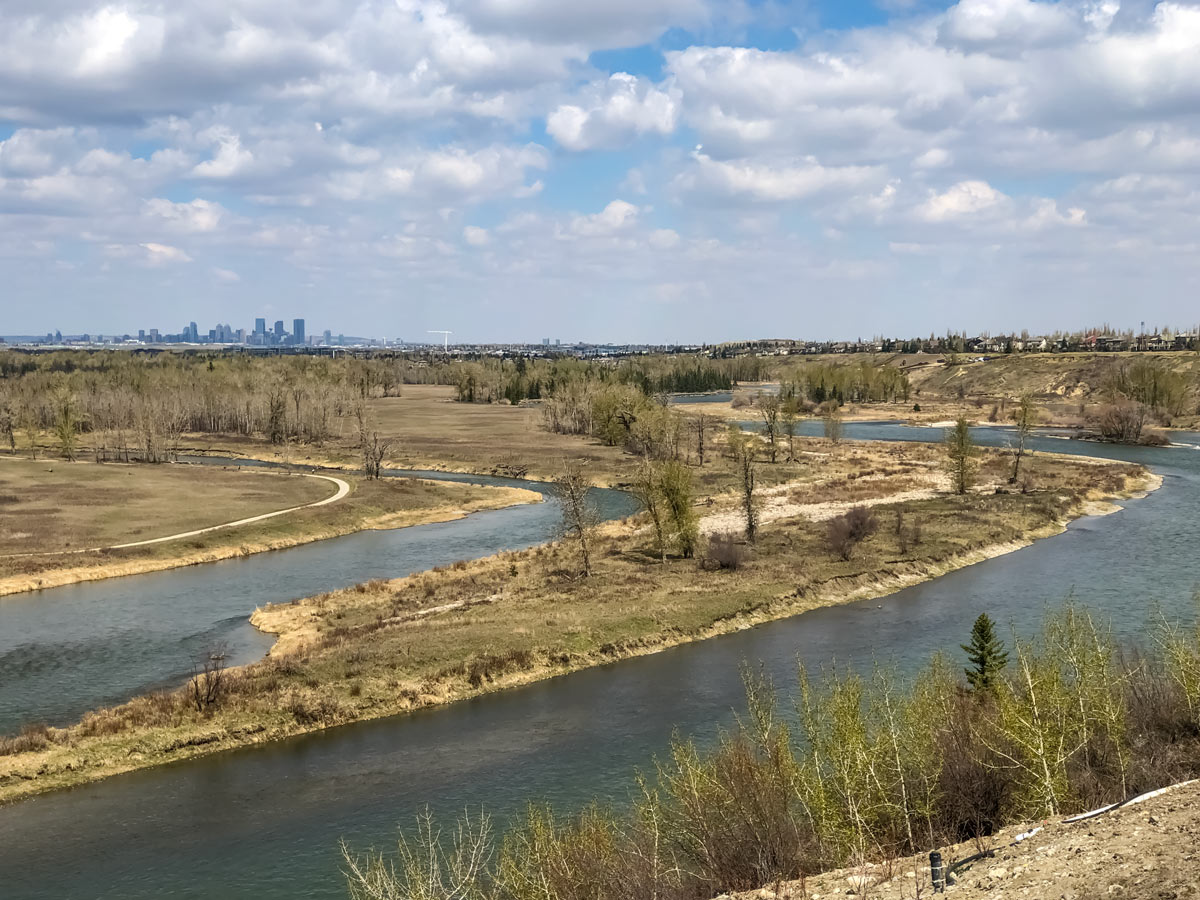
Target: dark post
{"type": "Point", "coordinates": [937, 872]}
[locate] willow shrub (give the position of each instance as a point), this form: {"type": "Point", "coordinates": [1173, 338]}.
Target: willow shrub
{"type": "Point", "coordinates": [866, 766]}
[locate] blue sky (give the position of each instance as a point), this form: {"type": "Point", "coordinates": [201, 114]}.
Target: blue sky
{"type": "Point", "coordinates": [637, 170]}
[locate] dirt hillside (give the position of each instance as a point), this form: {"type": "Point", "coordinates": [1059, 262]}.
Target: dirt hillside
{"type": "Point", "coordinates": [1149, 850]}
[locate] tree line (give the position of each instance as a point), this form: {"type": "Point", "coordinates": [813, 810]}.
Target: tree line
{"type": "Point", "coordinates": [138, 407]}
{"type": "Point", "coordinates": [520, 379]}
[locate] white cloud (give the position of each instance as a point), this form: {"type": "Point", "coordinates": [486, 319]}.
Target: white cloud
{"type": "Point", "coordinates": [664, 238]}
{"type": "Point", "coordinates": [162, 254]}
{"type": "Point", "coordinates": [195, 216]}
{"type": "Point", "coordinates": [612, 23]}
{"type": "Point", "coordinates": [966, 198]}
{"type": "Point", "coordinates": [933, 158]}
{"type": "Point", "coordinates": [1008, 24]}
{"type": "Point", "coordinates": [796, 180]}
{"type": "Point", "coordinates": [814, 161]}
{"type": "Point", "coordinates": [229, 161]}
{"type": "Point", "coordinates": [616, 217]}
{"type": "Point", "coordinates": [226, 276]}
{"type": "Point", "coordinates": [613, 113]}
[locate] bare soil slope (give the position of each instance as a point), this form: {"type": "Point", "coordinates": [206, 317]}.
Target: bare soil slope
{"type": "Point", "coordinates": [1137, 852]}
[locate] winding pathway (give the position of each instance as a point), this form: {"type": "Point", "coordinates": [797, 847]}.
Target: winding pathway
{"type": "Point", "coordinates": [343, 488]}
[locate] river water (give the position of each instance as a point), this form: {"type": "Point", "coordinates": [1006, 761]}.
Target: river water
{"type": "Point", "coordinates": [265, 822]}
{"type": "Point", "coordinates": [70, 649]}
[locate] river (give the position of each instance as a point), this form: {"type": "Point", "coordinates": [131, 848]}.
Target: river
{"type": "Point", "coordinates": [265, 822]}
{"type": "Point", "coordinates": [66, 650]}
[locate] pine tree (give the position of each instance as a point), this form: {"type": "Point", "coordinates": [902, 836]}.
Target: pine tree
{"type": "Point", "coordinates": [986, 654]}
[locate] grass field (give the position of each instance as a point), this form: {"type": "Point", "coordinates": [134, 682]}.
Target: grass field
{"type": "Point", "coordinates": [388, 647]}
{"type": "Point", "coordinates": [430, 430]}
{"type": "Point", "coordinates": [51, 506]}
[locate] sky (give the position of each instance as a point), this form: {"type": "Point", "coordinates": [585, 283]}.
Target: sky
{"type": "Point", "coordinates": [625, 170]}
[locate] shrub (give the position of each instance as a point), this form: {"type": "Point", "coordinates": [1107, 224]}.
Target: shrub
{"type": "Point", "coordinates": [1122, 421]}
{"type": "Point", "coordinates": [32, 737]}
{"type": "Point", "coordinates": [725, 552]}
{"type": "Point", "coordinates": [844, 533]}
{"type": "Point", "coordinates": [491, 666]}
{"type": "Point", "coordinates": [321, 709]}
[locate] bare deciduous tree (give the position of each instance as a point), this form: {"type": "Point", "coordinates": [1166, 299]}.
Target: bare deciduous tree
{"type": "Point", "coordinates": [579, 517]}
{"type": "Point", "coordinates": [66, 423]}
{"type": "Point", "coordinates": [741, 448]}
{"type": "Point", "coordinates": [831, 414]}
{"type": "Point", "coordinates": [371, 443]}
{"type": "Point", "coordinates": [789, 414]}
{"type": "Point", "coordinates": [208, 682]}
{"type": "Point", "coordinates": [701, 424]}
{"type": "Point", "coordinates": [1025, 415]}
{"type": "Point", "coordinates": [769, 408]}
{"type": "Point", "coordinates": [960, 455]}
{"type": "Point", "coordinates": [647, 489]}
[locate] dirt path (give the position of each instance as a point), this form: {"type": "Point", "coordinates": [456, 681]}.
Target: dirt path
{"type": "Point", "coordinates": [343, 488]}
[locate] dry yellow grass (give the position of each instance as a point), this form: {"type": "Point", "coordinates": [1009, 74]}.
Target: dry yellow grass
{"type": "Point", "coordinates": [51, 506]}
{"type": "Point", "coordinates": [66, 506]}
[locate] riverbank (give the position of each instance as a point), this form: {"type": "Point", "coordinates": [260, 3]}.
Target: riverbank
{"type": "Point", "coordinates": [366, 505]}
{"type": "Point", "coordinates": [390, 647]}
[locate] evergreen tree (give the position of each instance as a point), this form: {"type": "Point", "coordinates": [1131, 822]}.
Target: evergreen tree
{"type": "Point", "coordinates": [986, 654]}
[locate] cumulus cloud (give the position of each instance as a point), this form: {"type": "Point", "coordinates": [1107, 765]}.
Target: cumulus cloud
{"type": "Point", "coordinates": [1008, 24]}
{"type": "Point", "coordinates": [966, 198]}
{"type": "Point", "coordinates": [613, 113]}
{"type": "Point", "coordinates": [615, 23]}
{"type": "Point", "coordinates": [760, 182]}
{"type": "Point", "coordinates": [618, 216]}
{"type": "Point", "coordinates": [195, 216]}
{"type": "Point", "coordinates": [349, 145]}
{"type": "Point", "coordinates": [476, 236]}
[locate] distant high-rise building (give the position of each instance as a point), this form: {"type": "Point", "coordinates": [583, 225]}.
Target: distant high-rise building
{"type": "Point", "coordinates": [279, 332]}
{"type": "Point", "coordinates": [192, 333]}
{"type": "Point", "coordinates": [141, 334]}
{"type": "Point", "coordinates": [327, 337]}
{"type": "Point", "coordinates": [298, 332]}
{"type": "Point", "coordinates": [260, 326]}
{"type": "Point", "coordinates": [545, 342]}
{"type": "Point", "coordinates": [154, 337]}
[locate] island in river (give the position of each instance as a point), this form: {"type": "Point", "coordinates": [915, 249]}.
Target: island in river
{"type": "Point", "coordinates": [388, 647]}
